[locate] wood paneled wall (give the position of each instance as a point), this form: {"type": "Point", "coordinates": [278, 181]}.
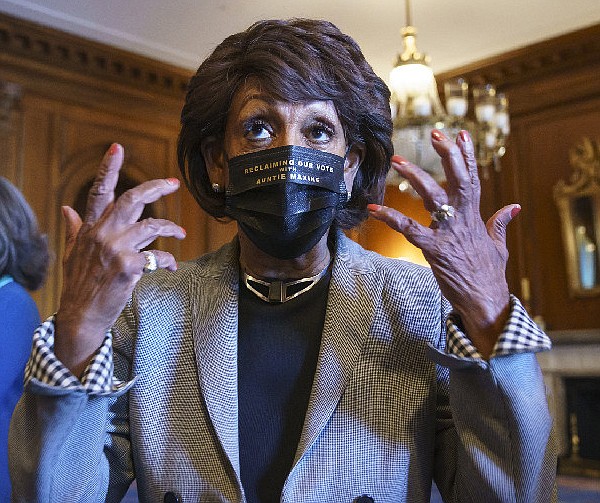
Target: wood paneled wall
{"type": "Point", "coordinates": [554, 93]}
{"type": "Point", "coordinates": [79, 96]}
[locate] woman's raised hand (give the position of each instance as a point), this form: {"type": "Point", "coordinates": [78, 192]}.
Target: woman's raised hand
{"type": "Point", "coordinates": [467, 256]}
{"type": "Point", "coordinates": [103, 262]}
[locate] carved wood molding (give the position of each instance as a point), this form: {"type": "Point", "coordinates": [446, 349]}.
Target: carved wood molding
{"type": "Point", "coordinates": [585, 161]}
{"type": "Point", "coordinates": [561, 54]}
{"type": "Point", "coordinates": [39, 44]}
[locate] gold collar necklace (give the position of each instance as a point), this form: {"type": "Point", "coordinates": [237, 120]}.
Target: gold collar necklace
{"type": "Point", "coordinates": [281, 291]}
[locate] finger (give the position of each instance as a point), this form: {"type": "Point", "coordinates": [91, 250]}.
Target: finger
{"type": "Point", "coordinates": [414, 232]}
{"type": "Point", "coordinates": [498, 222]}
{"type": "Point", "coordinates": [72, 225]}
{"type": "Point", "coordinates": [130, 205]}
{"type": "Point", "coordinates": [102, 192]}
{"type": "Point", "coordinates": [144, 232]}
{"type": "Point", "coordinates": [432, 194]}
{"type": "Point", "coordinates": [164, 260]}
{"type": "Point", "coordinates": [454, 164]}
{"type": "Point", "coordinates": [465, 144]}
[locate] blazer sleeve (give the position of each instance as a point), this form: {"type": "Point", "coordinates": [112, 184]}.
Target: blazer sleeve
{"type": "Point", "coordinates": [67, 443]}
{"type": "Point", "coordinates": [494, 438]}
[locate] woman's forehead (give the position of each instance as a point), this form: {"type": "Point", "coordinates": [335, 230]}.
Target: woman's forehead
{"type": "Point", "coordinates": [252, 94]}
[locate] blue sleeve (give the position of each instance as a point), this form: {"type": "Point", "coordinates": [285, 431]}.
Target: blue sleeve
{"type": "Point", "coordinates": [18, 319]}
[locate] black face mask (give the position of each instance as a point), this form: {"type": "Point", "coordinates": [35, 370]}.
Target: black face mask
{"type": "Point", "coordinates": [285, 198]}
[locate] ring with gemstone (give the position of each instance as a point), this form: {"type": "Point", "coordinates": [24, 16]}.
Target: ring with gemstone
{"type": "Point", "coordinates": [151, 264]}
{"type": "Point", "coordinates": [442, 213]}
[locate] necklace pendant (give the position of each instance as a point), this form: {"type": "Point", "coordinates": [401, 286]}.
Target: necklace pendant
{"type": "Point", "coordinates": [277, 291]}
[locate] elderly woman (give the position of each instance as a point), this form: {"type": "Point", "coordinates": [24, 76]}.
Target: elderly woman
{"type": "Point", "coordinates": [24, 259]}
{"type": "Point", "coordinates": [290, 365]}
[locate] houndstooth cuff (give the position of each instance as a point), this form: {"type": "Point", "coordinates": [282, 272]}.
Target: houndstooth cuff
{"type": "Point", "coordinates": [520, 335]}
{"type": "Point", "coordinates": [43, 365]}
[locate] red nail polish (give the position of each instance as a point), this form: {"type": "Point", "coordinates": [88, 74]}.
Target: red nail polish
{"type": "Point", "coordinates": [172, 181]}
{"type": "Point", "coordinates": [114, 148]}
{"type": "Point", "coordinates": [373, 207]}
{"type": "Point", "coordinates": [184, 231]}
{"type": "Point", "coordinates": [465, 136]}
{"type": "Point", "coordinates": [437, 135]}
{"type": "Point", "coordinates": [515, 211]}
{"type": "Point", "coordinates": [400, 160]}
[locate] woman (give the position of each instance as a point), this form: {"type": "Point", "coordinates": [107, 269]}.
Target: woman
{"type": "Point", "coordinates": [23, 265]}
{"type": "Point", "coordinates": [290, 365]}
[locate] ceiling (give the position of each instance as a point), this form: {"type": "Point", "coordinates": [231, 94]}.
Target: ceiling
{"type": "Point", "coordinates": [183, 32]}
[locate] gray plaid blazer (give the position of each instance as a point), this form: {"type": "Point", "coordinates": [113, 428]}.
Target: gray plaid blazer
{"type": "Point", "coordinates": [388, 412]}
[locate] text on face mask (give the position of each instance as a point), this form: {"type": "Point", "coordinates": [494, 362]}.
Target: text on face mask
{"type": "Point", "coordinates": [288, 165]}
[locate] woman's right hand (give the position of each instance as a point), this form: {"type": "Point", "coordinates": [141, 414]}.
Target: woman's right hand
{"type": "Point", "coordinates": [103, 262]}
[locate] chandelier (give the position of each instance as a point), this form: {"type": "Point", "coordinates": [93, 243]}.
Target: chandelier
{"type": "Point", "coordinates": [417, 109]}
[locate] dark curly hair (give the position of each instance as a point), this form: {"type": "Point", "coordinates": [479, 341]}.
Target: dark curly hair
{"type": "Point", "coordinates": [24, 251]}
{"type": "Point", "coordinates": [297, 60]}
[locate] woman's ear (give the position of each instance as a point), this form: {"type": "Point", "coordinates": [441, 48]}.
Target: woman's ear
{"type": "Point", "coordinates": [214, 157]}
{"type": "Point", "coordinates": [354, 158]}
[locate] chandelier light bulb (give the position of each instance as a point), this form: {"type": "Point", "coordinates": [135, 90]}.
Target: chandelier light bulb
{"type": "Point", "coordinates": [410, 80]}
{"type": "Point", "coordinates": [457, 106]}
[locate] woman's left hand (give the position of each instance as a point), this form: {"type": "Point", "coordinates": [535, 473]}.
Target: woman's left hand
{"type": "Point", "coordinates": [467, 256]}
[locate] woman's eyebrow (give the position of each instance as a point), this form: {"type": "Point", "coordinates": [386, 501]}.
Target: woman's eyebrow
{"type": "Point", "coordinates": [257, 96]}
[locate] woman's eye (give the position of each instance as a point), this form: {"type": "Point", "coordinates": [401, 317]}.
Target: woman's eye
{"type": "Point", "coordinates": [320, 133]}
{"type": "Point", "coordinates": [257, 130]}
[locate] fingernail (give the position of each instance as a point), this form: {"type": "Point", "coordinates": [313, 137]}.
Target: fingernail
{"type": "Point", "coordinates": [114, 148]}
{"type": "Point", "coordinates": [172, 181]}
{"type": "Point", "coordinates": [437, 135]}
{"type": "Point", "coordinates": [515, 211]}
{"type": "Point", "coordinates": [400, 160]}
{"type": "Point", "coordinates": [184, 231]}
{"type": "Point", "coordinates": [374, 207]}
{"type": "Point", "coordinates": [465, 136]}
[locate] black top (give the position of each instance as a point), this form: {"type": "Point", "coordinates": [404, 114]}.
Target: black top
{"type": "Point", "coordinates": [278, 346]}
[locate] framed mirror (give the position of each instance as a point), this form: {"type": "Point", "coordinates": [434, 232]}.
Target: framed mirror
{"type": "Point", "coordinates": [578, 205]}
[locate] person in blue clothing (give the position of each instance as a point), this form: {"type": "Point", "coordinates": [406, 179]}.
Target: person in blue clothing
{"type": "Point", "coordinates": [24, 258]}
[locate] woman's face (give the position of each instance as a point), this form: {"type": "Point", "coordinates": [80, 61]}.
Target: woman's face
{"type": "Point", "coordinates": [257, 121]}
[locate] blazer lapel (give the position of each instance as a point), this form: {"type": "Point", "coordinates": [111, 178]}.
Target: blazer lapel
{"type": "Point", "coordinates": [214, 304]}
{"type": "Point", "coordinates": [353, 296]}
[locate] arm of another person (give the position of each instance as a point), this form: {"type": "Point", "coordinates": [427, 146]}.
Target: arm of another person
{"type": "Point", "coordinates": [18, 319]}
{"type": "Point", "coordinates": [69, 433]}
{"type": "Point", "coordinates": [494, 435]}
